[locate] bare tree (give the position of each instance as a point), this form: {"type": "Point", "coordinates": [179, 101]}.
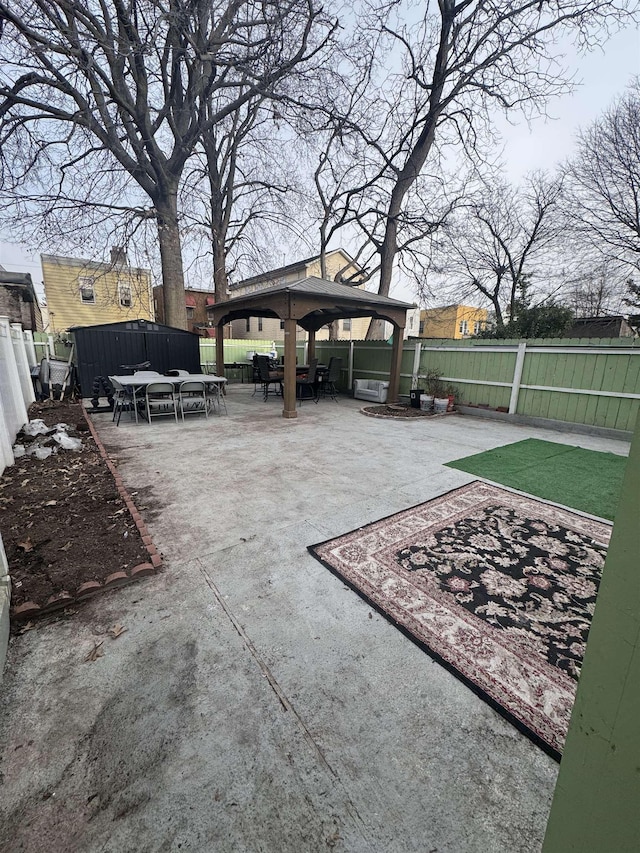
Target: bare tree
{"type": "Point", "coordinates": [499, 242]}
{"type": "Point", "coordinates": [462, 60]}
{"type": "Point", "coordinates": [603, 180]}
{"type": "Point", "coordinates": [234, 184]}
{"type": "Point", "coordinates": [597, 289]}
{"type": "Point", "coordinates": [145, 81]}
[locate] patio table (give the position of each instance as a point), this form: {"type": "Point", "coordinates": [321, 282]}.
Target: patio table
{"type": "Point", "coordinates": [242, 366]}
{"type": "Point", "coordinates": [139, 383]}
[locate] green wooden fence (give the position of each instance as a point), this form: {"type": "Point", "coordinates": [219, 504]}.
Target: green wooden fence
{"type": "Point", "coordinates": [593, 381]}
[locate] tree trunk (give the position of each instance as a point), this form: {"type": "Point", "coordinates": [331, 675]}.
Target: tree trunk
{"type": "Point", "coordinates": [219, 268]}
{"type": "Point", "coordinates": [416, 158]}
{"type": "Point", "coordinates": [388, 251]}
{"type": "Point", "coordinates": [175, 312]}
{"type": "Point", "coordinates": [498, 312]}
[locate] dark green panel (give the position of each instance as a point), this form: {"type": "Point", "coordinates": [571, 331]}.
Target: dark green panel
{"type": "Point", "coordinates": [595, 804]}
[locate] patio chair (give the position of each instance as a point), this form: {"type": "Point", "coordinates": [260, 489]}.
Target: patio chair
{"type": "Point", "coordinates": [269, 377]}
{"type": "Point", "coordinates": [333, 375]}
{"type": "Point", "coordinates": [122, 401]}
{"type": "Point", "coordinates": [192, 398]}
{"type": "Point", "coordinates": [160, 400]}
{"type": "Point", "coordinates": [215, 397]}
{"type": "Point", "coordinates": [256, 374]}
{"type": "Point", "coordinates": [309, 382]}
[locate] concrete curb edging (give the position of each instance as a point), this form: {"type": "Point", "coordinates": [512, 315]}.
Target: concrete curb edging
{"type": "Point", "coordinates": [88, 589]}
{"type": "Point", "coordinates": [546, 423]}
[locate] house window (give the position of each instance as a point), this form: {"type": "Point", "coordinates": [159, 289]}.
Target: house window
{"type": "Point", "coordinates": [346, 325]}
{"type": "Point", "coordinates": [87, 291]}
{"type": "Point", "coordinates": [124, 294]}
{"type": "Point", "coordinates": [248, 326]}
{"type": "Point", "coordinates": [477, 327]}
{"type": "Point", "coordinates": [282, 324]}
{"type": "Point", "coordinates": [190, 312]}
{"type": "Point", "coordinates": [259, 324]}
{"type": "Point", "coordinates": [421, 329]}
{"type": "Point", "coordinates": [464, 327]}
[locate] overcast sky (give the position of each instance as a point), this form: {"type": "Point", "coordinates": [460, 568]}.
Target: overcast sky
{"type": "Point", "coordinates": [602, 75]}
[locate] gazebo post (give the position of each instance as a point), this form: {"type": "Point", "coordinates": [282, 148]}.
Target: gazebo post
{"type": "Point", "coordinates": [312, 345]}
{"type": "Point", "coordinates": [396, 363]}
{"type": "Point", "coordinates": [289, 410]}
{"type": "Point", "coordinates": [220, 349]}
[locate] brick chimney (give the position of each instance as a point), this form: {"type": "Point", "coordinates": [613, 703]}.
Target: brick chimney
{"type": "Point", "coordinates": [118, 256]}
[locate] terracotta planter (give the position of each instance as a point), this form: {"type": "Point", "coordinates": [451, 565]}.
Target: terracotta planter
{"type": "Point", "coordinates": [452, 402]}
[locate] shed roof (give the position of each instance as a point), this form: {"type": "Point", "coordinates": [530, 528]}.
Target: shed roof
{"type": "Point", "coordinates": [138, 325]}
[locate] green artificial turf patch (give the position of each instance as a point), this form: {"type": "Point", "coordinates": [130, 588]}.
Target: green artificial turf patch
{"type": "Point", "coordinates": [588, 480]}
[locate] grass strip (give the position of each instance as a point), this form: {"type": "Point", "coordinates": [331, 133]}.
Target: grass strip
{"type": "Point", "coordinates": [588, 480]}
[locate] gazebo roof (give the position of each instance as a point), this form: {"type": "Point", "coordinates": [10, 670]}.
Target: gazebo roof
{"type": "Point", "coordinates": [312, 302]}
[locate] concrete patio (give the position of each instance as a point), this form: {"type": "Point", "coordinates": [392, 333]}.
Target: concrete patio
{"type": "Point", "coordinates": [255, 703]}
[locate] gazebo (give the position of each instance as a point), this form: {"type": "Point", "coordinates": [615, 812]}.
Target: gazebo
{"type": "Point", "coordinates": [312, 303]}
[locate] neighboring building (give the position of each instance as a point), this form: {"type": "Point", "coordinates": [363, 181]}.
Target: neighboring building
{"type": "Point", "coordinates": [89, 293]}
{"type": "Point", "coordinates": [196, 303]}
{"type": "Point", "coordinates": [338, 263]}
{"type": "Point", "coordinates": [452, 322]}
{"type": "Point", "coordinates": [412, 328]}
{"type": "Point", "coordinates": [615, 326]}
{"type": "Point", "coordinates": [18, 300]}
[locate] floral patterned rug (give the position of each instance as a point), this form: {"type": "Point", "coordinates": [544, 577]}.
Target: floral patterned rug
{"type": "Point", "coordinates": [498, 587]}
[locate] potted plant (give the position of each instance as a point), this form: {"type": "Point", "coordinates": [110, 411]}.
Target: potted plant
{"type": "Point", "coordinates": [436, 389]}
{"type": "Point", "coordinates": [451, 392]}
{"type": "Point", "coordinates": [433, 383]}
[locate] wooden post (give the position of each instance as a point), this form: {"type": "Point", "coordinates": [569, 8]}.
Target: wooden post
{"type": "Point", "coordinates": [350, 380]}
{"type": "Point", "coordinates": [416, 365]}
{"type": "Point", "coordinates": [517, 378]}
{"type": "Point", "coordinates": [289, 410]}
{"type": "Point", "coordinates": [311, 346]}
{"type": "Point", "coordinates": [396, 364]}
{"type": "Point", "coordinates": [220, 349]}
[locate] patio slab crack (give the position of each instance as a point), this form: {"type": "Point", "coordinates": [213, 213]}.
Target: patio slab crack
{"type": "Point", "coordinates": [284, 701]}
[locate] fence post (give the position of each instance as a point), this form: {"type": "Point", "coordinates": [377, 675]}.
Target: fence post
{"type": "Point", "coordinates": [350, 377]}
{"type": "Point", "coordinates": [517, 377]}
{"type": "Point", "coordinates": [22, 363]}
{"type": "Point", "coordinates": [14, 408]}
{"type": "Point", "coordinates": [5, 599]}
{"type": "Point", "coordinates": [416, 363]}
{"type": "Point", "coordinates": [27, 334]}
{"type": "Point", "coordinates": [6, 442]}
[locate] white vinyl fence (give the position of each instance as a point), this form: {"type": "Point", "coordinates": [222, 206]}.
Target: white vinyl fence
{"type": "Point", "coordinates": [17, 356]}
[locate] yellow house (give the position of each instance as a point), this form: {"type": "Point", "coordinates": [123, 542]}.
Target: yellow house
{"type": "Point", "coordinates": [452, 321]}
{"type": "Point", "coordinates": [88, 293]}
{"type": "Point", "coordinates": [265, 328]}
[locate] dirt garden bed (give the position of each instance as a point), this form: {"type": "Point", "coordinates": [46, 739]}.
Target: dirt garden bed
{"type": "Point", "coordinates": [69, 527]}
{"type": "Point", "coordinates": [399, 411]}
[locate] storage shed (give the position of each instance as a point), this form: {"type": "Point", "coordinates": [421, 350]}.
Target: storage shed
{"type": "Point", "coordinates": [102, 351]}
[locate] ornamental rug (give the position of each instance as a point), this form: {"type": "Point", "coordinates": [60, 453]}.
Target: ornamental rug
{"type": "Point", "coordinates": [498, 587]}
